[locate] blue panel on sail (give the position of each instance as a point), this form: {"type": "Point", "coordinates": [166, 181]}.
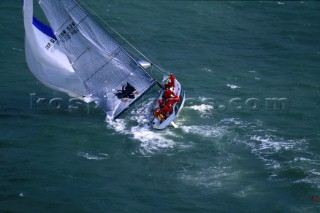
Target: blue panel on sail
{"type": "Point", "coordinates": [43, 28]}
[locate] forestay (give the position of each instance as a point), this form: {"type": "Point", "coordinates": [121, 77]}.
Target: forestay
{"type": "Point", "coordinates": [101, 63]}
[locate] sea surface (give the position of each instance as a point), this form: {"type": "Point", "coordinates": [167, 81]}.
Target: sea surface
{"type": "Point", "coordinates": [248, 138]}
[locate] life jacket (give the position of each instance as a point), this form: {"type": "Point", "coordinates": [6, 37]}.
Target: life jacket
{"type": "Point", "coordinates": [167, 94]}
{"type": "Point", "coordinates": [160, 117]}
{"type": "Point", "coordinates": [170, 82]}
{"type": "Point", "coordinates": [172, 78]}
{"type": "Point", "coordinates": [174, 99]}
{"type": "Point", "coordinates": [166, 110]}
{"type": "Point", "coordinates": [160, 102]}
{"type": "Point", "coordinates": [170, 101]}
{"type": "Point", "coordinates": [158, 114]}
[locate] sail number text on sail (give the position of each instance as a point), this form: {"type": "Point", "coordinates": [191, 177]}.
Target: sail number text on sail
{"type": "Point", "coordinates": [65, 35]}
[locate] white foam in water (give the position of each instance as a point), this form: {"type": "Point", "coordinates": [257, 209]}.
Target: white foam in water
{"type": "Point", "coordinates": [232, 86]}
{"type": "Point", "coordinates": [314, 172]}
{"type": "Point", "coordinates": [203, 99]}
{"type": "Point", "coordinates": [307, 160]}
{"type": "Point", "coordinates": [118, 125]}
{"type": "Point", "coordinates": [215, 175]}
{"type": "Point", "coordinates": [202, 108]}
{"type": "Point", "coordinates": [207, 69]}
{"type": "Point", "coordinates": [245, 191]}
{"type": "Point", "coordinates": [205, 131]}
{"type": "Point", "coordinates": [17, 49]}
{"type": "Point", "coordinates": [205, 108]}
{"type": "Point", "coordinates": [268, 147]}
{"type": "Point", "coordinates": [282, 157]}
{"type": "Point", "coordinates": [151, 141]}
{"type": "Point", "coordinates": [231, 121]}
{"type": "Point", "coordinates": [271, 143]}
{"type": "Point", "coordinates": [99, 156]}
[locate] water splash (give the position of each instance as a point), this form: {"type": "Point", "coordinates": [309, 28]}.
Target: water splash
{"type": "Point", "coordinates": [232, 86]}
{"type": "Point", "coordinates": [202, 108]}
{"type": "Point", "coordinates": [17, 49]}
{"type": "Point", "coordinates": [151, 141]}
{"type": "Point", "coordinates": [99, 156]}
{"type": "Point", "coordinates": [204, 131]}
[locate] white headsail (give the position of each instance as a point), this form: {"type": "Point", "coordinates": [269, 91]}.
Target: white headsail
{"type": "Point", "coordinates": [46, 60]}
{"type": "Point", "coordinates": [106, 70]}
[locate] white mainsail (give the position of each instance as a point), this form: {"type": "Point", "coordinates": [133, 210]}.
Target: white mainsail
{"type": "Point", "coordinates": [101, 63]}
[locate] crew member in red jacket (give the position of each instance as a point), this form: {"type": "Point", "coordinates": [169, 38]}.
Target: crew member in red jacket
{"type": "Point", "coordinates": [168, 93]}
{"type": "Point", "coordinates": [169, 98]}
{"type": "Point", "coordinates": [170, 82]}
{"type": "Point", "coordinates": [167, 109]}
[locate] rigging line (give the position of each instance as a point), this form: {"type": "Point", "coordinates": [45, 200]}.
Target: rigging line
{"type": "Point", "coordinates": [114, 19]}
{"type": "Point", "coordinates": [123, 37]}
{"type": "Point", "coordinates": [160, 69]}
{"type": "Point", "coordinates": [81, 4]}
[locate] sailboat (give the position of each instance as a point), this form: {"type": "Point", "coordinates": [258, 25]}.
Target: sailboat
{"type": "Point", "coordinates": [77, 56]}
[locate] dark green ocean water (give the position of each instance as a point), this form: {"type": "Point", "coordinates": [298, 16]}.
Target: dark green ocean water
{"type": "Point", "coordinates": [234, 151]}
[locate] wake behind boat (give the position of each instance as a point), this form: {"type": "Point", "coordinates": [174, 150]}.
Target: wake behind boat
{"type": "Point", "coordinates": [77, 56]}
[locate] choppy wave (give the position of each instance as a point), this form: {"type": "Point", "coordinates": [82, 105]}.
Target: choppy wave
{"type": "Point", "coordinates": [151, 141]}
{"type": "Point", "coordinates": [154, 141]}
{"type": "Point", "coordinates": [207, 69]}
{"type": "Point", "coordinates": [207, 175]}
{"type": "Point", "coordinates": [99, 156]}
{"type": "Point", "coordinates": [204, 131]}
{"type": "Point", "coordinates": [282, 157]}
{"type": "Point", "coordinates": [273, 144]}
{"type": "Point", "coordinates": [17, 49]}
{"type": "Point", "coordinates": [232, 86]}
{"type": "Point", "coordinates": [285, 159]}
{"type": "Point", "coordinates": [202, 108]}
